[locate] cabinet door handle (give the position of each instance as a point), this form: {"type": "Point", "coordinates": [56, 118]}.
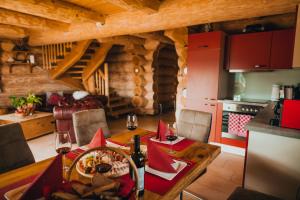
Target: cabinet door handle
{"type": "Point", "coordinates": [203, 46]}
{"type": "Point", "coordinates": [257, 66]}
{"type": "Point", "coordinates": [206, 104]}
{"type": "Point", "coordinates": [212, 104]}
{"type": "Point", "coordinates": [209, 99]}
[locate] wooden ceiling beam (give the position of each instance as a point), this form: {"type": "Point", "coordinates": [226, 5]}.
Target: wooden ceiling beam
{"type": "Point", "coordinates": [171, 14]}
{"type": "Point", "coordinates": [123, 40]}
{"type": "Point", "coordinates": [12, 32]}
{"type": "Point", "coordinates": [147, 5]}
{"type": "Point", "coordinates": [55, 10]}
{"type": "Point", "coordinates": [155, 36]}
{"type": "Point", "coordinates": [31, 22]}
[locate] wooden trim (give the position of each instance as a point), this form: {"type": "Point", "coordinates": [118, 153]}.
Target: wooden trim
{"type": "Point", "coordinates": [70, 59]}
{"type": "Point", "coordinates": [55, 10]}
{"type": "Point", "coordinates": [67, 80]}
{"type": "Point", "coordinates": [123, 40]}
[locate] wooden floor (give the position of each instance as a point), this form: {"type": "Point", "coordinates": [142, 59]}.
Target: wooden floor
{"type": "Point", "coordinates": [222, 177]}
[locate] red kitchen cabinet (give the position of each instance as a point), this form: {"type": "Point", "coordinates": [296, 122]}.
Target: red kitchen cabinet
{"type": "Point", "coordinates": [249, 51]}
{"type": "Point", "coordinates": [282, 49]}
{"type": "Point", "coordinates": [261, 51]}
{"type": "Point", "coordinates": [206, 77]}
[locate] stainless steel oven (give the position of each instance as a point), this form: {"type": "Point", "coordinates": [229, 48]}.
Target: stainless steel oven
{"type": "Point", "coordinates": [238, 108]}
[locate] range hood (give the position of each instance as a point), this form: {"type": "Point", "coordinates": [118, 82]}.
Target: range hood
{"type": "Point", "coordinates": [296, 58]}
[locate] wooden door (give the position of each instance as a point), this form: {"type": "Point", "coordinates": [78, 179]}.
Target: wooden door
{"type": "Point", "coordinates": [250, 51]}
{"type": "Point", "coordinates": [282, 49]}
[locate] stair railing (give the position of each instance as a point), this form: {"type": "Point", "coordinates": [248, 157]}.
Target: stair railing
{"type": "Point", "coordinates": [101, 81]}
{"type": "Point", "coordinates": [53, 52]}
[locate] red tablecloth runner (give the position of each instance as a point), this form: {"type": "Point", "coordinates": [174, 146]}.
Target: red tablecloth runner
{"type": "Point", "coordinates": [161, 186]}
{"type": "Point", "coordinates": [177, 147]}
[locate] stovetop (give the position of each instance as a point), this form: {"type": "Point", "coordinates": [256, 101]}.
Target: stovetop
{"type": "Point", "coordinates": [250, 102]}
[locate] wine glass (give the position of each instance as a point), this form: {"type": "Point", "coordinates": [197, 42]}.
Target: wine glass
{"type": "Point", "coordinates": [132, 122]}
{"type": "Point", "coordinates": [63, 145]}
{"type": "Point", "coordinates": [172, 135]}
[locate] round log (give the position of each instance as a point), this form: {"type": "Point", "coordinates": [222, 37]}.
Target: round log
{"type": "Point", "coordinates": [139, 70]}
{"type": "Point", "coordinates": [7, 45]}
{"type": "Point", "coordinates": [139, 80]}
{"type": "Point", "coordinates": [138, 101]}
{"type": "Point", "coordinates": [7, 57]}
{"type": "Point", "coordinates": [151, 44]}
{"type": "Point", "coordinates": [139, 91]}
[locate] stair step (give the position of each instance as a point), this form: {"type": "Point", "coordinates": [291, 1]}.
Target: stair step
{"type": "Point", "coordinates": [75, 72]}
{"type": "Point", "coordinates": [119, 104]}
{"type": "Point", "coordinates": [85, 60]}
{"type": "Point", "coordinates": [86, 57]}
{"type": "Point", "coordinates": [121, 112]}
{"type": "Point", "coordinates": [116, 98]}
{"type": "Point", "coordinates": [77, 77]}
{"type": "Point", "coordinates": [78, 66]}
{"type": "Point", "coordinates": [81, 63]}
{"type": "Point", "coordinates": [90, 51]}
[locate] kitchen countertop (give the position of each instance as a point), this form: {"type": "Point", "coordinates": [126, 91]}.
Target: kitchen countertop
{"type": "Point", "coordinates": [260, 123]}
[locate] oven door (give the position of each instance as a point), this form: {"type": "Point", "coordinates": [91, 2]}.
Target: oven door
{"type": "Point", "coordinates": [225, 126]}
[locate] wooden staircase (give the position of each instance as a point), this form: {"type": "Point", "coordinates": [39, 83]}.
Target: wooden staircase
{"type": "Point", "coordinates": [118, 105]}
{"type": "Point", "coordinates": [81, 65]}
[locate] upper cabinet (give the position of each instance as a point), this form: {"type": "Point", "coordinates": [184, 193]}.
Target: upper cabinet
{"type": "Point", "coordinates": [296, 58]}
{"type": "Point", "coordinates": [261, 51]}
{"type": "Point", "coordinates": [282, 49]}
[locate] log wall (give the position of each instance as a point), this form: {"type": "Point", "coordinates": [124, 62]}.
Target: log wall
{"type": "Point", "coordinates": [20, 81]}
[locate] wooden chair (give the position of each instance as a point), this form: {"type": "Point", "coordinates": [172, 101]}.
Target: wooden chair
{"type": "Point", "coordinates": [194, 125]}
{"type": "Point", "coordinates": [87, 122]}
{"type": "Point", "coordinates": [14, 150]}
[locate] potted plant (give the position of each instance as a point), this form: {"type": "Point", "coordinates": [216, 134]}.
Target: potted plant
{"type": "Point", "coordinates": [25, 105]}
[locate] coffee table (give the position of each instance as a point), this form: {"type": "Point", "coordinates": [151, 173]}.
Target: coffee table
{"type": "Point", "coordinates": [40, 123]}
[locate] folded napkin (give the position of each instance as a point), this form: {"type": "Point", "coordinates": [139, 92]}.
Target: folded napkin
{"type": "Point", "coordinates": [162, 131]}
{"type": "Point", "coordinates": [47, 182]}
{"type": "Point", "coordinates": [159, 160]}
{"type": "Point", "coordinates": [126, 185]}
{"type": "Point", "coordinates": [98, 139]}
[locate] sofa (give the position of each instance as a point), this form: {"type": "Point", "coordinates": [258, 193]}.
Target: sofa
{"type": "Point", "coordinates": [68, 105]}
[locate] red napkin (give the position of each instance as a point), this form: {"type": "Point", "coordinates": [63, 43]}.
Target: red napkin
{"type": "Point", "coordinates": [126, 185]}
{"type": "Point", "coordinates": [161, 131]}
{"type": "Point", "coordinates": [158, 159]}
{"type": "Point", "coordinates": [98, 139]}
{"type": "Point", "coordinates": [48, 181]}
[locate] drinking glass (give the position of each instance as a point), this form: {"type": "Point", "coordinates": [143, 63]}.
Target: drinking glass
{"type": "Point", "coordinates": [132, 122]}
{"type": "Point", "coordinates": [63, 145]}
{"type": "Point", "coordinates": [172, 135]}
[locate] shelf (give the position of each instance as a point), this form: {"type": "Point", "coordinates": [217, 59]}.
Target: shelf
{"type": "Point", "coordinates": [11, 64]}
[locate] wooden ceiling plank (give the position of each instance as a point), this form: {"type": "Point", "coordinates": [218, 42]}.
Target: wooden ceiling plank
{"type": "Point", "coordinates": [147, 5]}
{"type": "Point", "coordinates": [31, 22]}
{"type": "Point", "coordinates": [171, 14]}
{"type": "Point", "coordinates": [12, 32]}
{"type": "Point", "coordinates": [55, 10]}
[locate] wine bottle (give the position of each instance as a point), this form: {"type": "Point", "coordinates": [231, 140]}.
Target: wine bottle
{"type": "Point", "coordinates": [139, 160]}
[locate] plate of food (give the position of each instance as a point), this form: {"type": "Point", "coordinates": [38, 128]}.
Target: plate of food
{"type": "Point", "coordinates": [108, 163]}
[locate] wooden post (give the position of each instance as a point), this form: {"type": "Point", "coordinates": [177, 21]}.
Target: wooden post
{"type": "Point", "coordinates": [106, 81]}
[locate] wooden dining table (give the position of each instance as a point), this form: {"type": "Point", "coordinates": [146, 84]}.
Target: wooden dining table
{"type": "Point", "coordinates": [202, 154]}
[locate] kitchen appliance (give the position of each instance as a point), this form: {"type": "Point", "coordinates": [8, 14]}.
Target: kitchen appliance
{"type": "Point", "coordinates": [291, 114]}
{"type": "Point", "coordinates": [239, 111]}
{"type": "Point", "coordinates": [288, 92]}
{"type": "Point", "coordinates": [275, 92]}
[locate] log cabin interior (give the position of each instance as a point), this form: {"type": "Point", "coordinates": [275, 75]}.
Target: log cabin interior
{"type": "Point", "coordinates": [150, 99]}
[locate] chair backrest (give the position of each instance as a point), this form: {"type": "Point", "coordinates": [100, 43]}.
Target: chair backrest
{"type": "Point", "coordinates": [194, 125]}
{"type": "Point", "coordinates": [87, 122]}
{"type": "Point", "coordinates": [14, 150]}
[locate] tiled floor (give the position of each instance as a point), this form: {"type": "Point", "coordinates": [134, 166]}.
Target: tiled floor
{"type": "Point", "coordinates": [222, 177]}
